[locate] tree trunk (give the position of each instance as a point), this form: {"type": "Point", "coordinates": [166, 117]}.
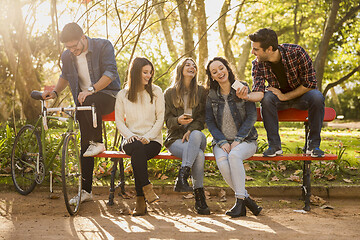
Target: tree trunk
{"type": "Point", "coordinates": [20, 58]}
{"type": "Point", "coordinates": [320, 58]}
{"type": "Point", "coordinates": [202, 34]}
{"type": "Point", "coordinates": [159, 7]}
{"type": "Point", "coordinates": [243, 60]}
{"type": "Point", "coordinates": [186, 29]}
{"type": "Point", "coordinates": [224, 34]}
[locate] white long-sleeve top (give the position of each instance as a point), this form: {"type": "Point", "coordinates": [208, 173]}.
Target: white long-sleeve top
{"type": "Point", "coordinates": [142, 118]}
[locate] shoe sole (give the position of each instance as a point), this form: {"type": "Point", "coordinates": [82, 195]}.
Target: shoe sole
{"type": "Point", "coordinates": [91, 155]}
{"type": "Point", "coordinates": [308, 152]}
{"type": "Point", "coordinates": [278, 152]}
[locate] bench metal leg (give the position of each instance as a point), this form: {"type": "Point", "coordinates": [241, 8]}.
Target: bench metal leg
{"type": "Point", "coordinates": [306, 188]}
{"type": "Point", "coordinates": [122, 178]}
{"type": "Point", "coordinates": [112, 181]}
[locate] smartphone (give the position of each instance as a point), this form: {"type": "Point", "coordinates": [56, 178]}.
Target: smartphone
{"type": "Point", "coordinates": [187, 115]}
{"type": "Point", "coordinates": [237, 84]}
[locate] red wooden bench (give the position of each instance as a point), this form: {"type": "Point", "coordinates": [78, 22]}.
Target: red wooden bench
{"type": "Point", "coordinates": [289, 115]}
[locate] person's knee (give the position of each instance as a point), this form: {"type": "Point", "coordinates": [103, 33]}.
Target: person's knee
{"type": "Point", "coordinates": [196, 135]}
{"type": "Point", "coordinates": [133, 147]}
{"type": "Point", "coordinates": [235, 156]}
{"type": "Point", "coordinates": [221, 160]}
{"type": "Point", "coordinates": [317, 98]}
{"type": "Point", "coordinates": [269, 99]}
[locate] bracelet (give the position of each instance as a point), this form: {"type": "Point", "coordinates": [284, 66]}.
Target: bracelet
{"type": "Point", "coordinates": [55, 93]}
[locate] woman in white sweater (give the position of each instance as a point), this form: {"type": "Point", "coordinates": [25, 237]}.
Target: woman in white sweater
{"type": "Point", "coordinates": [139, 116]}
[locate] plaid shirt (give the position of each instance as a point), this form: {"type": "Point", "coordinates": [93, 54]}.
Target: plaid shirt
{"type": "Point", "coordinates": [297, 64]}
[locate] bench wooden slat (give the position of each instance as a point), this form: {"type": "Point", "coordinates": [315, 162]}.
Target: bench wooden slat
{"type": "Point", "coordinates": [296, 115]}
{"type": "Point", "coordinates": [288, 115]}
{"type": "Point", "coordinates": [209, 156]}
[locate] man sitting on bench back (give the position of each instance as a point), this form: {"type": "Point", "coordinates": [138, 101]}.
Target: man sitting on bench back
{"type": "Point", "coordinates": [290, 74]}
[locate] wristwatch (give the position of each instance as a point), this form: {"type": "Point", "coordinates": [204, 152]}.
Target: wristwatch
{"type": "Point", "coordinates": [91, 89]}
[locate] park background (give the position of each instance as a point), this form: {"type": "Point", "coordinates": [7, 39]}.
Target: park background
{"type": "Point", "coordinates": [166, 31]}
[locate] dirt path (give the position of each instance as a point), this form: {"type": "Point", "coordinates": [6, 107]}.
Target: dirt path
{"type": "Point", "coordinates": [37, 217]}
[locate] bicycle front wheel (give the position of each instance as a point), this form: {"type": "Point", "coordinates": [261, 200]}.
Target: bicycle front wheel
{"type": "Point", "coordinates": [71, 173]}
{"type": "Point", "coordinates": [26, 159]}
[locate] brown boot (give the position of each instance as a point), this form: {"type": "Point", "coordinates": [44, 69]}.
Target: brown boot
{"type": "Point", "coordinates": [140, 208]}
{"type": "Point", "coordinates": [149, 193]}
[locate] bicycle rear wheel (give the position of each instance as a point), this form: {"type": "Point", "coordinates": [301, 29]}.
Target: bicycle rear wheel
{"type": "Point", "coordinates": [26, 151]}
{"type": "Point", "coordinates": [71, 173]}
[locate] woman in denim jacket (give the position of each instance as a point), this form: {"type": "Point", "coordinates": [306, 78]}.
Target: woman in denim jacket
{"type": "Point", "coordinates": [231, 121]}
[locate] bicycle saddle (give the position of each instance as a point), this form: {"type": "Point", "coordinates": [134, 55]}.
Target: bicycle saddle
{"type": "Point", "coordinates": [36, 95]}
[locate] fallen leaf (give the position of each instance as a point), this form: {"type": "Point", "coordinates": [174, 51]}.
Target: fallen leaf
{"type": "Point", "coordinates": [347, 180]}
{"type": "Point", "coordinates": [248, 178]}
{"type": "Point", "coordinates": [330, 177]}
{"type": "Point", "coordinates": [317, 173]}
{"type": "Point", "coordinates": [294, 178]}
{"type": "Point", "coordinates": [188, 196]}
{"type": "Point", "coordinates": [247, 166]}
{"type": "Point", "coordinates": [258, 200]}
{"type": "Point", "coordinates": [284, 201]}
{"type": "Point", "coordinates": [7, 169]}
{"type": "Point", "coordinates": [207, 194]}
{"type": "Point", "coordinates": [282, 168]}
{"type": "Point", "coordinates": [317, 201]}
{"type": "Point", "coordinates": [163, 177]}
{"type": "Point", "coordinates": [101, 169]}
{"type": "Point", "coordinates": [222, 193]}
{"type": "Point", "coordinates": [275, 179]}
{"type": "Point", "coordinates": [327, 207]}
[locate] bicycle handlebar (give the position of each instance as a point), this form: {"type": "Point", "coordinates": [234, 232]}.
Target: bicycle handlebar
{"type": "Point", "coordinates": [37, 95]}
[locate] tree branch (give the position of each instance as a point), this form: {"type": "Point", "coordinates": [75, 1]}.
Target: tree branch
{"type": "Point", "coordinates": [341, 80]}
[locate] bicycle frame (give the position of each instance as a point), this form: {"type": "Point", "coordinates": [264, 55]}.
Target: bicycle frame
{"type": "Point", "coordinates": [42, 124]}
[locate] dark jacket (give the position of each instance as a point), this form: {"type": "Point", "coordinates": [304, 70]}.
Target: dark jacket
{"type": "Point", "coordinates": [243, 112]}
{"type": "Point", "coordinates": [174, 129]}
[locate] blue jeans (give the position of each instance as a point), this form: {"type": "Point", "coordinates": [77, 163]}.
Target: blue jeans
{"type": "Point", "coordinates": [231, 165]}
{"type": "Point", "coordinates": [192, 155]}
{"type": "Point", "coordinates": [313, 101]}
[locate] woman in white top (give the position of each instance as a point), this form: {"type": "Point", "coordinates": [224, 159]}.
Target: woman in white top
{"type": "Point", "coordinates": [139, 116]}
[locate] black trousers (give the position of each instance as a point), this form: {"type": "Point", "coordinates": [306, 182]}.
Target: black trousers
{"type": "Point", "coordinates": [140, 154]}
{"type": "Point", "coordinates": [104, 104]}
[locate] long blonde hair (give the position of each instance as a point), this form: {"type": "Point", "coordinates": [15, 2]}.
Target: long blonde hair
{"type": "Point", "coordinates": [180, 89]}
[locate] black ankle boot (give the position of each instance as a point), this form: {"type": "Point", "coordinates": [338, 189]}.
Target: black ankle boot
{"type": "Point", "coordinates": [251, 204]}
{"type": "Point", "coordinates": [238, 209]}
{"type": "Point", "coordinates": [200, 202]}
{"type": "Point", "coordinates": [181, 183]}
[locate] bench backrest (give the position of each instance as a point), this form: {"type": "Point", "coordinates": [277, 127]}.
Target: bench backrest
{"type": "Point", "coordinates": [288, 115]}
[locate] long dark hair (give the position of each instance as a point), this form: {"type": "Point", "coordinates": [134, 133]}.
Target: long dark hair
{"type": "Point", "coordinates": [211, 83]}
{"type": "Point", "coordinates": [135, 77]}
{"type": "Point", "coordinates": [178, 84]}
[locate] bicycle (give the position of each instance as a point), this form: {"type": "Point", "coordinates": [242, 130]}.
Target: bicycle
{"type": "Point", "coordinates": [30, 161]}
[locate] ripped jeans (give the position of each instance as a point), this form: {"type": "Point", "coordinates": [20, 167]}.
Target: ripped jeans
{"type": "Point", "coordinates": [231, 165]}
{"type": "Point", "coordinates": [192, 154]}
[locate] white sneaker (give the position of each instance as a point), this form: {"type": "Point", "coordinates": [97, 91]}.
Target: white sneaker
{"type": "Point", "coordinates": [94, 149]}
{"type": "Point", "coordinates": [85, 196]}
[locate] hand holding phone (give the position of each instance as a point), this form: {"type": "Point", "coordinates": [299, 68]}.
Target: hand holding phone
{"type": "Point", "coordinates": [187, 116]}
{"type": "Point", "coordinates": [236, 85]}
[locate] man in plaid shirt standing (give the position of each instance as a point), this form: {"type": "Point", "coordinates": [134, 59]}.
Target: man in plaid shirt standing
{"type": "Point", "coordinates": [289, 72]}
